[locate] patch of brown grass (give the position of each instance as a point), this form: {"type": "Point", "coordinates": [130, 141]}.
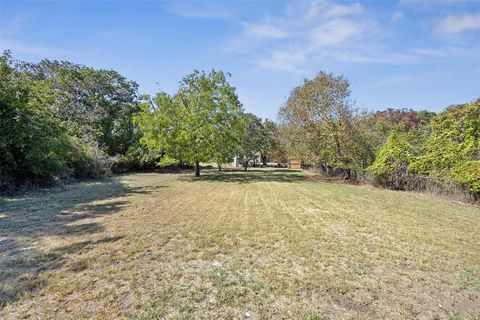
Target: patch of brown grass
{"type": "Point", "coordinates": [261, 244]}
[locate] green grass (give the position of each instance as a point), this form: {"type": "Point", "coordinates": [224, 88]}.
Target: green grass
{"type": "Point", "coordinates": [265, 244]}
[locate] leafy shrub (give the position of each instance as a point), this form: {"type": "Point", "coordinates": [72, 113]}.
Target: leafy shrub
{"type": "Point", "coordinates": [468, 175]}
{"type": "Point", "coordinates": [454, 140]}
{"type": "Point", "coordinates": [445, 157]}
{"type": "Point", "coordinates": [391, 165]}
{"type": "Point", "coordinates": [138, 157]}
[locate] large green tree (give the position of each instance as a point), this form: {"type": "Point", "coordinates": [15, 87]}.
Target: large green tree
{"type": "Point", "coordinates": [199, 123]}
{"type": "Point", "coordinates": [62, 119]}
{"type": "Point", "coordinates": [95, 105]}
{"type": "Point", "coordinates": [34, 145]}
{"type": "Point", "coordinates": [321, 120]}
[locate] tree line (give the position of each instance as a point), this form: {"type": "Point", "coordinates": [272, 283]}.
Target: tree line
{"type": "Point", "coordinates": [319, 124]}
{"type": "Point", "coordinates": [63, 121]}
{"type": "Point", "coordinates": [203, 122]}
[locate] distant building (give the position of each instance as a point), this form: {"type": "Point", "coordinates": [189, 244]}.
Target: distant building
{"type": "Point", "coordinates": [274, 162]}
{"type": "Point", "coordinates": [294, 164]}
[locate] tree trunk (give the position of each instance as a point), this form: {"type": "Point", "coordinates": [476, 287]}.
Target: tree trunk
{"type": "Point", "coordinates": [197, 168]}
{"type": "Point", "coordinates": [219, 168]}
{"type": "Point", "coordinates": [246, 165]}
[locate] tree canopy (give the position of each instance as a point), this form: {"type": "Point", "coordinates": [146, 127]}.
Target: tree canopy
{"type": "Point", "coordinates": [96, 105]}
{"type": "Point", "coordinates": [62, 120]}
{"type": "Point", "coordinates": [324, 124]}
{"type": "Point", "coordinates": [200, 123]}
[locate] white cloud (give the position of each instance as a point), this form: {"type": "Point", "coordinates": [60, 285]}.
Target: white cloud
{"type": "Point", "coordinates": [327, 9]}
{"type": "Point", "coordinates": [376, 56]}
{"type": "Point", "coordinates": [255, 34]}
{"type": "Point", "coordinates": [397, 15]}
{"type": "Point", "coordinates": [331, 38]}
{"type": "Point", "coordinates": [309, 34]}
{"type": "Point", "coordinates": [286, 42]}
{"type": "Point", "coordinates": [334, 33]}
{"type": "Point", "coordinates": [287, 60]}
{"type": "Point", "coordinates": [265, 31]}
{"type": "Point", "coordinates": [394, 80]}
{"type": "Point", "coordinates": [458, 23]}
{"type": "Point", "coordinates": [430, 52]}
{"type": "Point", "coordinates": [202, 10]}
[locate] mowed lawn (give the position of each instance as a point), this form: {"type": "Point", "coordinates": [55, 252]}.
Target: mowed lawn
{"type": "Point", "coordinates": [265, 244]}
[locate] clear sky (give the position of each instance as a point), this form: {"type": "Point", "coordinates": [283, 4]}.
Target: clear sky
{"type": "Point", "coordinates": [406, 54]}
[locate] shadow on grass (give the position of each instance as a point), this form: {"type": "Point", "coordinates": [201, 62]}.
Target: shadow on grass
{"type": "Point", "coordinates": [24, 220]}
{"type": "Point", "coordinates": [249, 176]}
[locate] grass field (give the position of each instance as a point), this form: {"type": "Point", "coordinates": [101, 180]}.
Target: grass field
{"type": "Point", "coordinates": [266, 244]}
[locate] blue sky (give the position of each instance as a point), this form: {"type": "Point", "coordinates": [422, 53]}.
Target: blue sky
{"type": "Point", "coordinates": [420, 55]}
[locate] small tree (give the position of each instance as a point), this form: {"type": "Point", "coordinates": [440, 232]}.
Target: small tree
{"type": "Point", "coordinates": [468, 175]}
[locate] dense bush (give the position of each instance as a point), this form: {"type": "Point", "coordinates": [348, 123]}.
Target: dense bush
{"type": "Point", "coordinates": [61, 120]}
{"type": "Point", "coordinates": [454, 140]}
{"type": "Point", "coordinates": [448, 151]}
{"type": "Point", "coordinates": [452, 150]}
{"type": "Point", "coordinates": [391, 165]}
{"type": "Point", "coordinates": [34, 145]}
{"type": "Point", "coordinates": [468, 175]}
{"type": "Point", "coordinates": [138, 157]}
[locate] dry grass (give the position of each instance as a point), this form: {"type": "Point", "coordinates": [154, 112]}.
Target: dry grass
{"type": "Point", "coordinates": [262, 244]}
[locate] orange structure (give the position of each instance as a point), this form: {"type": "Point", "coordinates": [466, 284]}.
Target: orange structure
{"type": "Point", "coordinates": [294, 164]}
